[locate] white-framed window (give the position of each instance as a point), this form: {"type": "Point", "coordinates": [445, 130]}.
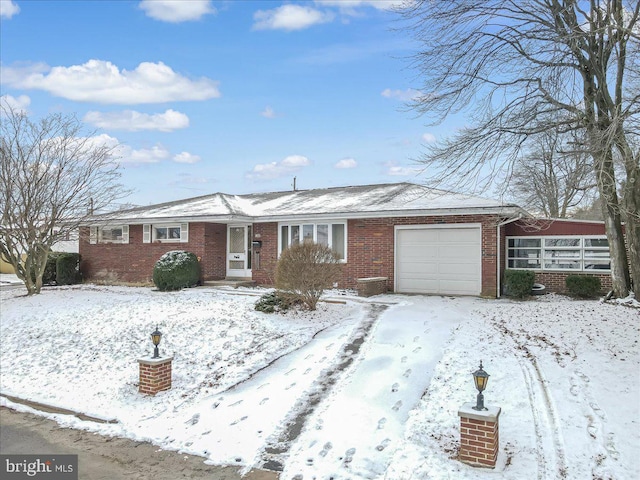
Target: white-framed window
{"type": "Point", "coordinates": [332, 234]}
{"type": "Point", "coordinates": [109, 234]}
{"type": "Point", "coordinates": [568, 253]}
{"type": "Point", "coordinates": [165, 233]}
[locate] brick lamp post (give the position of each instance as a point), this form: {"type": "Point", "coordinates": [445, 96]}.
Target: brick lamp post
{"type": "Point", "coordinates": [155, 371]}
{"type": "Point", "coordinates": [479, 432]}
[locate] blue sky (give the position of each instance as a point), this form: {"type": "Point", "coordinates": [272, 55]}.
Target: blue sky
{"type": "Point", "coordinates": [229, 96]}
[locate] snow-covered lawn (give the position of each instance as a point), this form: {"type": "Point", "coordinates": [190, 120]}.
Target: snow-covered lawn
{"type": "Point", "coordinates": [360, 389]}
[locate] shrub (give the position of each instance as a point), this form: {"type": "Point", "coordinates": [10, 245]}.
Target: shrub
{"type": "Point", "coordinates": [273, 302]}
{"type": "Point", "coordinates": [68, 269]}
{"type": "Point", "coordinates": [518, 283]}
{"type": "Point", "coordinates": [305, 270]}
{"type": "Point", "coordinates": [176, 270]}
{"type": "Point", "coordinates": [583, 286]}
{"type": "Point", "coordinates": [49, 277]}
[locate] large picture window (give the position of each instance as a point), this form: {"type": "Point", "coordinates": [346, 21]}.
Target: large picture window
{"type": "Point", "coordinates": [109, 234]}
{"type": "Point", "coordinates": [575, 253]}
{"type": "Point", "coordinates": [333, 235]}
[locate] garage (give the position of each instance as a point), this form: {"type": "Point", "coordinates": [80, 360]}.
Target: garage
{"type": "Point", "coordinates": [439, 259]}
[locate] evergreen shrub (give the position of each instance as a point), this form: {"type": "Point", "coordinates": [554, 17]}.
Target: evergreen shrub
{"type": "Point", "coordinates": [176, 270]}
{"type": "Point", "coordinates": [583, 286]}
{"type": "Point", "coordinates": [49, 277]}
{"type": "Point", "coordinates": [68, 269]}
{"type": "Point", "coordinates": [518, 283]}
{"type": "Point", "coordinates": [273, 302]}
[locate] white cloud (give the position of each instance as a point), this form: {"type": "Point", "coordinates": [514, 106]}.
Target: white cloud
{"type": "Point", "coordinates": [154, 154]}
{"type": "Point", "coordinates": [286, 166]}
{"type": "Point", "coordinates": [395, 170]}
{"type": "Point", "coordinates": [8, 9]}
{"type": "Point", "coordinates": [135, 121]}
{"type": "Point", "coordinates": [176, 11]}
{"type": "Point", "coordinates": [352, 4]}
{"type": "Point", "coordinates": [428, 137]}
{"type": "Point", "coordinates": [403, 95]}
{"type": "Point", "coordinates": [186, 157]}
{"type": "Point", "coordinates": [17, 104]}
{"type": "Point", "coordinates": [346, 163]}
{"type": "Point", "coordinates": [103, 82]}
{"type": "Point", "coordinates": [290, 17]}
{"type": "Point", "coordinates": [268, 112]}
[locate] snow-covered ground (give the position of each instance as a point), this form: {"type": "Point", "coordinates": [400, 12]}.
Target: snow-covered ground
{"type": "Point", "coordinates": [359, 389]}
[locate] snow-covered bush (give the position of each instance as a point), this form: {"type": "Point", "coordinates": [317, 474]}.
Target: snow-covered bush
{"type": "Point", "coordinates": [305, 270]}
{"type": "Point", "coordinates": [518, 283]}
{"type": "Point", "coordinates": [583, 286]}
{"type": "Point", "coordinates": [175, 270]}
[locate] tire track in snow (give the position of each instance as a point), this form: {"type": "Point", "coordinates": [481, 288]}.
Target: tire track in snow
{"type": "Point", "coordinates": [550, 448]}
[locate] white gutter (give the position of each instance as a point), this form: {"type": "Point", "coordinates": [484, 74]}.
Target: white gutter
{"type": "Point", "coordinates": [499, 254]}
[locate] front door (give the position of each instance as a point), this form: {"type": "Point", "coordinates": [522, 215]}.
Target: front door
{"type": "Point", "coordinates": [239, 251]}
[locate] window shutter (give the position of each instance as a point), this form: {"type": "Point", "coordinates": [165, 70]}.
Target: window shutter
{"type": "Point", "coordinates": [184, 232]}
{"type": "Point", "coordinates": [146, 233]}
{"type": "Point", "coordinates": [125, 234]}
{"type": "Point", "coordinates": [93, 234]}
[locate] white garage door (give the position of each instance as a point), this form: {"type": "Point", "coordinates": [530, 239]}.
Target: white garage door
{"type": "Point", "coordinates": [439, 259]}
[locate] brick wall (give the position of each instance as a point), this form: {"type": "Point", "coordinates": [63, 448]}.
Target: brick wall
{"type": "Point", "coordinates": [555, 281]}
{"type": "Point", "coordinates": [134, 261]}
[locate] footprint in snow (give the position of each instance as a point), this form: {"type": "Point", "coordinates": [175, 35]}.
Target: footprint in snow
{"type": "Point", "coordinates": [327, 446]}
{"type": "Point", "coordinates": [307, 371]}
{"type": "Point", "coordinates": [291, 386]}
{"type": "Point", "coordinates": [239, 420]}
{"type": "Point", "coordinates": [384, 444]}
{"type": "Point", "coordinates": [289, 372]}
{"type": "Point", "coordinates": [348, 455]}
{"type": "Point", "coordinates": [308, 356]}
{"type": "Point", "coordinates": [381, 423]}
{"type": "Point", "coordinates": [417, 349]}
{"type": "Point", "coordinates": [193, 420]}
{"type": "Point", "coordinates": [264, 400]}
{"type": "Point", "coordinates": [236, 403]}
{"type": "Point", "coordinates": [416, 339]}
{"type": "Point", "coordinates": [328, 346]}
{"type": "Point", "coordinates": [397, 405]}
{"type": "Point", "coordinates": [262, 386]}
{"type": "Point", "coordinates": [407, 373]}
{"type": "Point", "coordinates": [403, 360]}
{"type": "Point", "coordinates": [597, 410]}
{"type": "Point", "coordinates": [395, 387]}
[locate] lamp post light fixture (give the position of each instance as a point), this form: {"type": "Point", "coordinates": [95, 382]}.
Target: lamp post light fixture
{"type": "Point", "coordinates": [155, 338]}
{"type": "Point", "coordinates": [480, 377]}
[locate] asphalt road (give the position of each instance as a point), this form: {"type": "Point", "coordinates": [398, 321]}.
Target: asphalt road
{"type": "Point", "coordinates": [107, 458]}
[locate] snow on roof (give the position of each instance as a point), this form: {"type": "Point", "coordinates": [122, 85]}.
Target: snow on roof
{"type": "Point", "coordinates": [354, 201]}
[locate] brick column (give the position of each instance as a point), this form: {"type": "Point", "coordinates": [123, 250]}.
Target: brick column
{"type": "Point", "coordinates": [479, 435]}
{"type": "Point", "coordinates": [155, 375]}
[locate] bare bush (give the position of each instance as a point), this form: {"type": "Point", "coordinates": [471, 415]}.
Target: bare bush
{"type": "Point", "coordinates": [305, 270]}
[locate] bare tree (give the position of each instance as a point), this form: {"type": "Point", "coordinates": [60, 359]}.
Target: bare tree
{"type": "Point", "coordinates": [522, 67]}
{"type": "Point", "coordinates": [50, 178]}
{"type": "Point", "coordinates": [554, 176]}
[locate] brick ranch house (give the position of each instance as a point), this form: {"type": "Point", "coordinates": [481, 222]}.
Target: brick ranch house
{"type": "Point", "coordinates": [419, 239]}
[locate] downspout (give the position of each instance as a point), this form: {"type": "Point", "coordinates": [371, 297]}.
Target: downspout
{"type": "Point", "coordinates": [499, 253]}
